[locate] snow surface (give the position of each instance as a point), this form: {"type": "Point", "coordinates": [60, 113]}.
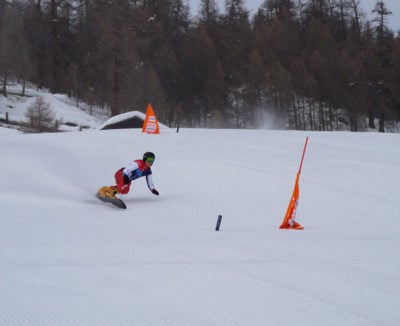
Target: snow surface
{"type": "Point", "coordinates": [68, 259]}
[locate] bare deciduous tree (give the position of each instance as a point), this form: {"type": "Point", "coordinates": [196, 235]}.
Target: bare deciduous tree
{"type": "Point", "coordinates": [41, 117]}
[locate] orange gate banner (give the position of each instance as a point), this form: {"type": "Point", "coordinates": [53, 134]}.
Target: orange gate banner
{"type": "Point", "coordinates": [290, 216]}
{"type": "Point", "coordinates": [150, 124]}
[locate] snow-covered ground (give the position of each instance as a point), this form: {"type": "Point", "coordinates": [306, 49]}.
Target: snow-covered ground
{"type": "Point", "coordinates": [70, 117]}
{"type": "Point", "coordinates": [68, 259]}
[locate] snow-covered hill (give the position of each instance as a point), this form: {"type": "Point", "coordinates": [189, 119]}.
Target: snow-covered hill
{"type": "Point", "coordinates": [70, 116]}
{"type": "Point", "coordinates": [68, 259]}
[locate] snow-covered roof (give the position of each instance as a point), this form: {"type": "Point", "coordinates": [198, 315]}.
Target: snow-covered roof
{"type": "Point", "coordinates": [131, 115]}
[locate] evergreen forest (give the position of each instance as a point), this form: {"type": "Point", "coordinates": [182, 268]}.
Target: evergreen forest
{"type": "Point", "coordinates": [299, 64]}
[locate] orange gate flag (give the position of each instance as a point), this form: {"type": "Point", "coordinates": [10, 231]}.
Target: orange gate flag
{"type": "Point", "coordinates": [150, 124]}
{"type": "Point", "coordinates": [290, 216]}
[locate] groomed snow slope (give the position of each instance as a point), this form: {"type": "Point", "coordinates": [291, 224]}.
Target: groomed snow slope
{"type": "Point", "coordinates": [68, 259]}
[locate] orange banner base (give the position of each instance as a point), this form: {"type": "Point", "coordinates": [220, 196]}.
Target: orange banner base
{"type": "Point", "coordinates": [296, 226]}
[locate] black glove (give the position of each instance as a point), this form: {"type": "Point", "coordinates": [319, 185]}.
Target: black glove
{"type": "Point", "coordinates": [126, 179]}
{"type": "Point", "coordinates": [155, 192]}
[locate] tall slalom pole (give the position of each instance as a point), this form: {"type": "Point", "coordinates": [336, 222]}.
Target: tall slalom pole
{"type": "Point", "coordinates": [290, 216]}
{"type": "Point", "coordinates": [302, 156]}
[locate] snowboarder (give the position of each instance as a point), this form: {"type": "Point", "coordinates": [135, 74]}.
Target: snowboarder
{"type": "Point", "coordinates": [124, 177]}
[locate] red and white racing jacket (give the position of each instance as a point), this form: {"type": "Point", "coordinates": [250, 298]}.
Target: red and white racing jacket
{"type": "Point", "coordinates": [138, 169]}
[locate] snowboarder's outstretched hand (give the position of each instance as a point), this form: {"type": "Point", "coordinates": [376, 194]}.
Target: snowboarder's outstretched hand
{"type": "Point", "coordinates": [155, 192]}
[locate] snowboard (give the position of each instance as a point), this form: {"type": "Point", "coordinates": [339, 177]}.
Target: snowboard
{"type": "Point", "coordinates": [116, 202]}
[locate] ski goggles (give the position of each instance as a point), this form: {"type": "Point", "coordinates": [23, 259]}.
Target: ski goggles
{"type": "Point", "coordinates": [150, 160]}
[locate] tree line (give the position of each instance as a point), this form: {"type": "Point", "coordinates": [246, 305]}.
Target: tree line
{"type": "Point", "coordinates": [300, 64]}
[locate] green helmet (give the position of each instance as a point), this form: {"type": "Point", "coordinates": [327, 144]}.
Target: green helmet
{"type": "Point", "coordinates": [148, 156]}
